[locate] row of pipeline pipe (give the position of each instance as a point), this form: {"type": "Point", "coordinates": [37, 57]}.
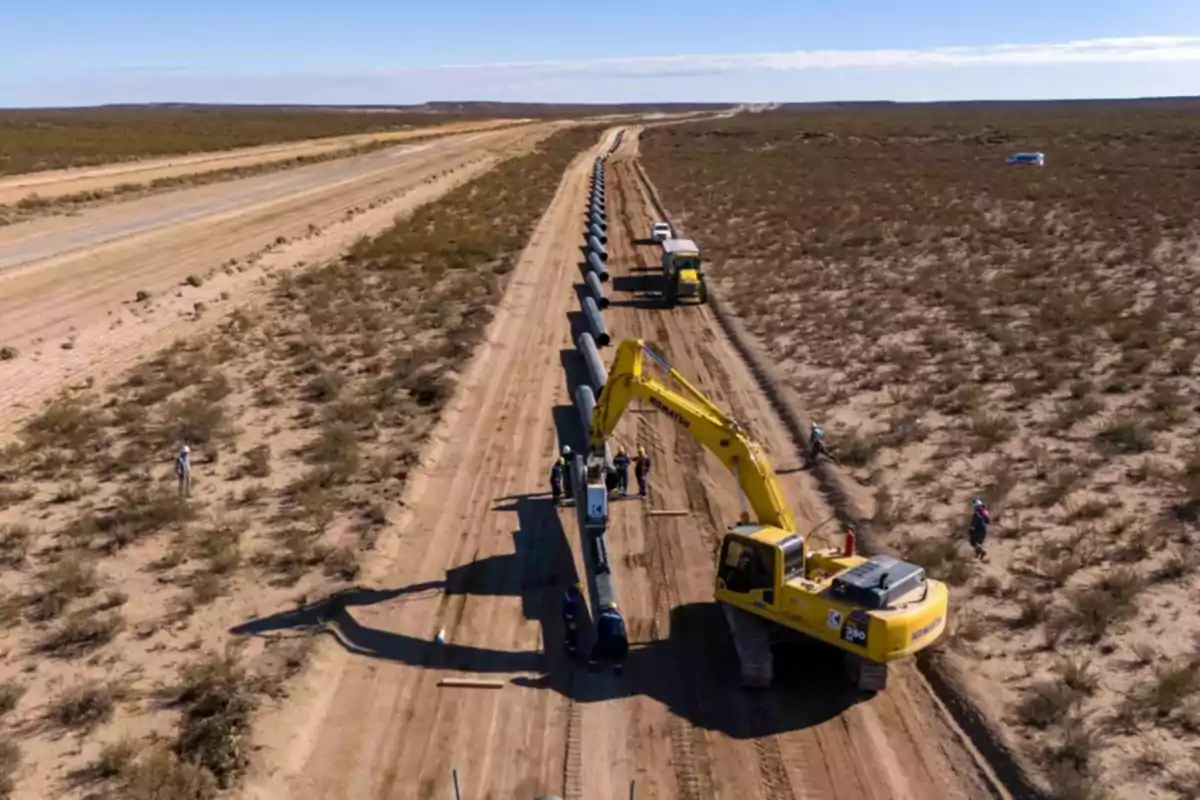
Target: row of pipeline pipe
{"type": "Point", "coordinates": [595, 237]}
{"type": "Point", "coordinates": [590, 496]}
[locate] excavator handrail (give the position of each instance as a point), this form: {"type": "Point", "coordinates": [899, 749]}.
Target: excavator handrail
{"type": "Point", "coordinates": [708, 424]}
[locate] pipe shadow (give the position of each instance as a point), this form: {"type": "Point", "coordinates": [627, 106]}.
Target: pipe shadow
{"type": "Point", "coordinates": [576, 371]}
{"type": "Point", "coordinates": [579, 324]}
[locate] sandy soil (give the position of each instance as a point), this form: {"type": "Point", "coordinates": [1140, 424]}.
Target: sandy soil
{"type": "Point", "coordinates": [73, 313]}
{"type": "Point", "coordinates": [484, 553]}
{"type": "Point", "coordinates": [55, 183]}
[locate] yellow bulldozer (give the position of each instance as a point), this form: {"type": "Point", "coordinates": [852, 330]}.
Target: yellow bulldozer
{"type": "Point", "coordinates": [770, 582]}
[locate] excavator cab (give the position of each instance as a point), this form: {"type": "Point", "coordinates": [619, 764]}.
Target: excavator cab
{"type": "Point", "coordinates": [747, 567]}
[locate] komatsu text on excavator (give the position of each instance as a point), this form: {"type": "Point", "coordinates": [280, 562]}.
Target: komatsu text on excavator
{"type": "Point", "coordinates": [769, 581]}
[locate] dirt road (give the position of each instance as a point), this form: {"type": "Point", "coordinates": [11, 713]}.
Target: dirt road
{"type": "Point", "coordinates": [70, 308]}
{"type": "Point", "coordinates": [56, 183]}
{"type": "Point", "coordinates": [484, 554]}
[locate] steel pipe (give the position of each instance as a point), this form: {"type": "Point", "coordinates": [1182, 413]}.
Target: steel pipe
{"type": "Point", "coordinates": [585, 404]}
{"type": "Point", "coordinates": [597, 218]}
{"type": "Point", "coordinates": [597, 375]}
{"type": "Point", "coordinates": [595, 230]}
{"type": "Point", "coordinates": [597, 267]}
{"type": "Point", "coordinates": [599, 330]}
{"type": "Point", "coordinates": [597, 248]}
{"type": "Point", "coordinates": [593, 283]}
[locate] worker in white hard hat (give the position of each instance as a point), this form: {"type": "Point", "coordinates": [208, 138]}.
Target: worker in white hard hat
{"type": "Point", "coordinates": [183, 470]}
{"type": "Point", "coordinates": [563, 465]}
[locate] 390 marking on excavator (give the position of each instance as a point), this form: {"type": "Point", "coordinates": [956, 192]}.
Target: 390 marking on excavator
{"type": "Point", "coordinates": [855, 630]}
{"type": "Point", "coordinates": [670, 412]}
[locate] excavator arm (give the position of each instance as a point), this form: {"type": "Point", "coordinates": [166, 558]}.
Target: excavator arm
{"type": "Point", "coordinates": [722, 436]}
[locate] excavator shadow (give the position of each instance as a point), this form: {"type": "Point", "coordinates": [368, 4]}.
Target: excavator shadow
{"type": "Point", "coordinates": [638, 284]}
{"type": "Point", "coordinates": [693, 672]}
{"type": "Point", "coordinates": [695, 675]}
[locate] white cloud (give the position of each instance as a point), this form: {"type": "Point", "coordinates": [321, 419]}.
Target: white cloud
{"type": "Point", "coordinates": [1118, 67]}
{"type": "Point", "coordinates": [1140, 49]}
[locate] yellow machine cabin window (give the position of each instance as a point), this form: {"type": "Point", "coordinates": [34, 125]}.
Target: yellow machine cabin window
{"type": "Point", "coordinates": [747, 566]}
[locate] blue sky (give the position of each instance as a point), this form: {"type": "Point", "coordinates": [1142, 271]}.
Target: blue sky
{"type": "Point", "coordinates": [70, 52]}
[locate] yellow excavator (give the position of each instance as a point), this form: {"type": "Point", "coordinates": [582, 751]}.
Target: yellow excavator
{"type": "Point", "coordinates": [770, 582]}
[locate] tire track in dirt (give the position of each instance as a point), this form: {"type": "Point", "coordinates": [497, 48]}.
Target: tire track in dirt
{"type": "Point", "coordinates": [633, 263]}
{"type": "Point", "coordinates": [389, 731]}
{"type": "Point", "coordinates": [866, 749]}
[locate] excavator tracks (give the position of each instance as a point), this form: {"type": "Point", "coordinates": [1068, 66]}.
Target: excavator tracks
{"type": "Point", "coordinates": [573, 758]}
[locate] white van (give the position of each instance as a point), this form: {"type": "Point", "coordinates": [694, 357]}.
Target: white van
{"type": "Point", "coordinates": [660, 231]}
{"type": "Point", "coordinates": [1027, 160]}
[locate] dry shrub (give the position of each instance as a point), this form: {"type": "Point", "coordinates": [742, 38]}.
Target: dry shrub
{"type": "Point", "coordinates": [115, 759]}
{"type": "Point", "coordinates": [991, 429]}
{"type": "Point", "coordinates": [10, 696]}
{"type": "Point", "coordinates": [856, 450]}
{"type": "Point", "coordinates": [1032, 610]}
{"type": "Point", "coordinates": [161, 775]}
{"type": "Point", "coordinates": [1078, 676]}
{"type": "Point", "coordinates": [10, 762]}
{"type": "Point", "coordinates": [1111, 599]}
{"type": "Point", "coordinates": [1058, 485]}
{"type": "Point", "coordinates": [141, 511]}
{"type": "Point", "coordinates": [79, 634]}
{"type": "Point", "coordinates": [72, 577]}
{"type": "Point", "coordinates": [342, 563]}
{"type": "Point", "coordinates": [220, 545]}
{"type": "Point", "coordinates": [1172, 686]}
{"type": "Point", "coordinates": [1125, 436]}
{"type": "Point", "coordinates": [1047, 703]}
{"type": "Point", "coordinates": [85, 706]}
{"type": "Point", "coordinates": [216, 697]}
{"type": "Point", "coordinates": [14, 544]}
{"type": "Point", "coordinates": [258, 461]}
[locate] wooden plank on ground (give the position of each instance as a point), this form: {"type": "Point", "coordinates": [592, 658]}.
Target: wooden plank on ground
{"type": "Point", "coordinates": [470, 683]}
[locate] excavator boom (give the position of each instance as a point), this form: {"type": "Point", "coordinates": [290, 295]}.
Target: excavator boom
{"type": "Point", "coordinates": [725, 438]}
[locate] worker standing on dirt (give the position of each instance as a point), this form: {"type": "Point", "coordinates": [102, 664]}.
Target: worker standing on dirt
{"type": "Point", "coordinates": [572, 603]}
{"type": "Point", "coordinates": [641, 471]}
{"type": "Point", "coordinates": [612, 643]}
{"type": "Point", "coordinates": [556, 480]}
{"type": "Point", "coordinates": [621, 464]}
{"type": "Point", "coordinates": [981, 518]}
{"type": "Point", "coordinates": [565, 461]}
{"type": "Point", "coordinates": [183, 470]}
{"type": "Point", "coordinates": [817, 446]}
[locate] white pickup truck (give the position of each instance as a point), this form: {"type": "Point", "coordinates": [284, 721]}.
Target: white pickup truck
{"type": "Point", "coordinates": [660, 231]}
